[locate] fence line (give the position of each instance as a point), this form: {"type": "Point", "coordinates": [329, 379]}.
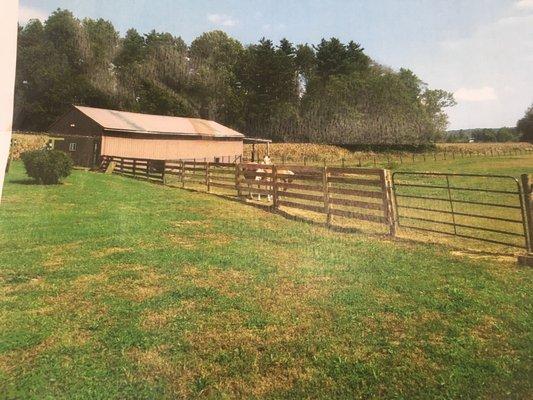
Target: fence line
{"type": "Point", "coordinates": [375, 159]}
{"type": "Point", "coordinates": [362, 194]}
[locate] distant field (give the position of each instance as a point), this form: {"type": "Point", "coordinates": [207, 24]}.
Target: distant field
{"type": "Point", "coordinates": [27, 141]}
{"type": "Point", "coordinates": [505, 158]}
{"type": "Point", "coordinates": [319, 152]}
{"type": "Point", "coordinates": [117, 288]}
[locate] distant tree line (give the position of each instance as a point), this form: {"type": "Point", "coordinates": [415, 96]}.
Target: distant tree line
{"type": "Point", "coordinates": [331, 92]}
{"type": "Point", "coordinates": [522, 132]}
{"type": "Point", "coordinates": [504, 134]}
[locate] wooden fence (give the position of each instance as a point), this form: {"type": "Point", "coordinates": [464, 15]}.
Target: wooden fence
{"type": "Point", "coordinates": [152, 170]}
{"type": "Point", "coordinates": [355, 194]}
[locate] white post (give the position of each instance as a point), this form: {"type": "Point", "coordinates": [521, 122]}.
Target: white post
{"type": "Point", "coordinates": [8, 55]}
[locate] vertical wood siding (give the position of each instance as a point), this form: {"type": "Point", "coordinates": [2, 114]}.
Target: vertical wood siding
{"type": "Point", "coordinates": [169, 149]}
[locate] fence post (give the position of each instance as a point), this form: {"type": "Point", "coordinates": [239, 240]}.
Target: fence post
{"type": "Point", "coordinates": [275, 186]}
{"type": "Point", "coordinates": [237, 183]}
{"type": "Point", "coordinates": [134, 167]}
{"type": "Point", "coordinates": [164, 173]}
{"type": "Point", "coordinates": [207, 177]}
{"type": "Point", "coordinates": [388, 201]}
{"type": "Point", "coordinates": [182, 173]}
{"type": "Point", "coordinates": [325, 188]}
{"type": "Point", "coordinates": [527, 189]}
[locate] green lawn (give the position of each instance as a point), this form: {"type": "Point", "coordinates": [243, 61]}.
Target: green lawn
{"type": "Point", "coordinates": [502, 165]}
{"type": "Point", "coordinates": [117, 288]}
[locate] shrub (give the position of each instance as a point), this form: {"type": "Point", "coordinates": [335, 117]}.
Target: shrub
{"type": "Point", "coordinates": [47, 166]}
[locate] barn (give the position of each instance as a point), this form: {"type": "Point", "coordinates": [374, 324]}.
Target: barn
{"type": "Point", "coordinates": [87, 133]}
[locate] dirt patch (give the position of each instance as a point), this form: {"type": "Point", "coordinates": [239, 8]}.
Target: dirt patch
{"type": "Point", "coordinates": [110, 251]}
{"type": "Point", "coordinates": [71, 338]}
{"type": "Point", "coordinates": [182, 224]}
{"type": "Point", "coordinates": [227, 282]}
{"type": "Point", "coordinates": [59, 254]}
{"type": "Point", "coordinates": [149, 285]}
{"type": "Point", "coordinates": [158, 319]}
{"type": "Point", "coordinates": [489, 257]}
{"type": "Point", "coordinates": [153, 365]}
{"type": "Point", "coordinates": [199, 239]}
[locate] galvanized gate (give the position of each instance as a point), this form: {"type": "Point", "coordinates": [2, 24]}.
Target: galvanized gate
{"type": "Point", "coordinates": [488, 208]}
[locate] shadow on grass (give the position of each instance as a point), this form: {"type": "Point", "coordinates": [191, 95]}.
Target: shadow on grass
{"type": "Point", "coordinates": [401, 238]}
{"type": "Point", "coordinates": [27, 181]}
{"type": "Point", "coordinates": [30, 181]}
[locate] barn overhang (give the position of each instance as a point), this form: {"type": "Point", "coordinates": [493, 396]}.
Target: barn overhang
{"type": "Point", "coordinates": [256, 141]}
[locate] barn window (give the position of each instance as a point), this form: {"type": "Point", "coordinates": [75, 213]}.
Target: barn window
{"type": "Point", "coordinates": [72, 147]}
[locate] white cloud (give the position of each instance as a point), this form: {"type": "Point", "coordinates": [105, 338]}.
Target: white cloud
{"type": "Point", "coordinates": [222, 20]}
{"type": "Point", "coordinates": [524, 4]}
{"type": "Point", "coordinates": [490, 67]}
{"type": "Point", "coordinates": [485, 93]}
{"type": "Point", "coordinates": [27, 13]}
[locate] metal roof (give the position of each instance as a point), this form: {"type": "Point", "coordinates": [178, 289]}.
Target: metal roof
{"type": "Point", "coordinates": [256, 140]}
{"type": "Point", "coordinates": [122, 121]}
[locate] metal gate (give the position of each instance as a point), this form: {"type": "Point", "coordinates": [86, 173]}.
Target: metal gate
{"type": "Point", "coordinates": [488, 208]}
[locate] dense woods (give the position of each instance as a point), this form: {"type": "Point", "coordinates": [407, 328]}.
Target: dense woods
{"type": "Point", "coordinates": [525, 125]}
{"type": "Point", "coordinates": [331, 92]}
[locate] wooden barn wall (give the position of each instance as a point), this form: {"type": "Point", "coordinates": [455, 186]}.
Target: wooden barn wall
{"type": "Point", "coordinates": [169, 148]}
{"type": "Point", "coordinates": [83, 125]}
{"type": "Point", "coordinates": [83, 155]}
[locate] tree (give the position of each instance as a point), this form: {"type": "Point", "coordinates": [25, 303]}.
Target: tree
{"type": "Point", "coordinates": [336, 58]}
{"type": "Point", "coordinates": [330, 92]}
{"type": "Point", "coordinates": [525, 125]}
{"type": "Point", "coordinates": [213, 58]}
{"type": "Point", "coordinates": [268, 84]}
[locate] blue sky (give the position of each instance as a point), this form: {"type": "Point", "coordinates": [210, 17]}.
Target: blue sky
{"type": "Point", "coordinates": [481, 50]}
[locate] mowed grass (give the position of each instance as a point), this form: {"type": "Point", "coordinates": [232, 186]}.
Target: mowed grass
{"type": "Point", "coordinates": [513, 165]}
{"type": "Point", "coordinates": [117, 288]}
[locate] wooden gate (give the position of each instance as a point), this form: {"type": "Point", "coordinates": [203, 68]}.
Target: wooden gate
{"type": "Point", "coordinates": [354, 193]}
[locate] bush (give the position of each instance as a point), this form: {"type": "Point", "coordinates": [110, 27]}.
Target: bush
{"type": "Point", "coordinates": [47, 166]}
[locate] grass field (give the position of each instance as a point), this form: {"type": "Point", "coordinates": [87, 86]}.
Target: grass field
{"type": "Point", "coordinates": [313, 153]}
{"type": "Point", "coordinates": [117, 288]}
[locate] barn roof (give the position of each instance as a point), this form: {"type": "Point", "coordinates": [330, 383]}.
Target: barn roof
{"type": "Point", "coordinates": [122, 121]}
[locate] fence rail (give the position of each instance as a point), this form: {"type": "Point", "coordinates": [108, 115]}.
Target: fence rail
{"type": "Point", "coordinates": [152, 170]}
{"type": "Point", "coordinates": [488, 208]}
{"type": "Point", "coordinates": [491, 208]}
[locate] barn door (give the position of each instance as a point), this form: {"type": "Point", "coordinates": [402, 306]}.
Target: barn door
{"type": "Point", "coordinates": [97, 146]}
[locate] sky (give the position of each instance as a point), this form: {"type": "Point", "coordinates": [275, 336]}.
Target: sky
{"type": "Point", "coordinates": [480, 50]}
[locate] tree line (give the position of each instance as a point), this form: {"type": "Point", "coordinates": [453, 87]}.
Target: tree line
{"type": "Point", "coordinates": [495, 135]}
{"type": "Point", "coordinates": [331, 92]}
